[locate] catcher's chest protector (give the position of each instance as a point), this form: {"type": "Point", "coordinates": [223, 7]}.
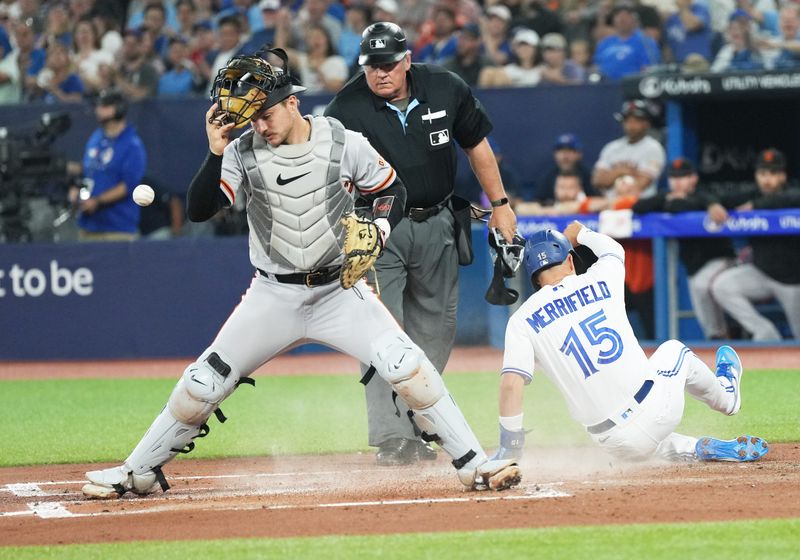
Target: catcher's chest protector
{"type": "Point", "coordinates": [295, 199]}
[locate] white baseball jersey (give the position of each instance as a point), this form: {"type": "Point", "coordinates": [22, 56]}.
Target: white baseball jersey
{"type": "Point", "coordinates": [646, 155]}
{"type": "Point", "coordinates": [578, 334]}
{"type": "Point", "coordinates": [362, 171]}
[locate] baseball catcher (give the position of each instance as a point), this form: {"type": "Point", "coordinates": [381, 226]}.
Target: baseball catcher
{"type": "Point", "coordinates": [301, 176]}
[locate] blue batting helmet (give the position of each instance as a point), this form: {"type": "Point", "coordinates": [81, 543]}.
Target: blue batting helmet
{"type": "Point", "coordinates": [544, 249]}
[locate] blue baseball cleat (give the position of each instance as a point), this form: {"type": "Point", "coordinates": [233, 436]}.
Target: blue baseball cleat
{"type": "Point", "coordinates": [743, 448]}
{"type": "Point", "coordinates": [729, 366]}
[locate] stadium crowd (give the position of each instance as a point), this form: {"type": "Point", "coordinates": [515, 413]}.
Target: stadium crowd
{"type": "Point", "coordinates": [64, 50]}
{"type": "Point", "coordinates": [60, 51]}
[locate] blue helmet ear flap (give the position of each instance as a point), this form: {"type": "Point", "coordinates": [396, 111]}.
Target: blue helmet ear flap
{"type": "Point", "coordinates": [543, 250]}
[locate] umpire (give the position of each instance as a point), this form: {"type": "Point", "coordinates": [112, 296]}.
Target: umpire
{"type": "Point", "coordinates": [413, 115]}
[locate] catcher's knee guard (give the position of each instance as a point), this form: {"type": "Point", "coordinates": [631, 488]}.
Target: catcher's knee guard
{"type": "Point", "coordinates": [203, 386]}
{"type": "Point", "coordinates": [414, 378]}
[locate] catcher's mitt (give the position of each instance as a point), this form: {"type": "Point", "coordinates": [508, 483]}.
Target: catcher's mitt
{"type": "Point", "coordinates": [362, 246]}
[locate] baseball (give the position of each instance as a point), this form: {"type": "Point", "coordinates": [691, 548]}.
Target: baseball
{"type": "Point", "coordinates": [143, 195]}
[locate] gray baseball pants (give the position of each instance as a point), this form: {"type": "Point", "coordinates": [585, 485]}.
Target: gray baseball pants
{"type": "Point", "coordinates": [736, 288]}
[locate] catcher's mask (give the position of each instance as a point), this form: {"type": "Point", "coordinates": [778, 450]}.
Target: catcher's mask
{"type": "Point", "coordinates": [248, 84]}
{"type": "Point", "coordinates": [507, 260]}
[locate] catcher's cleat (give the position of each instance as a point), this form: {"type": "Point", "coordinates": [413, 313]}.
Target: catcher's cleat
{"type": "Point", "coordinates": [113, 483]}
{"type": "Point", "coordinates": [497, 475]}
{"type": "Point", "coordinates": [729, 370]}
{"type": "Point", "coordinates": [743, 448]}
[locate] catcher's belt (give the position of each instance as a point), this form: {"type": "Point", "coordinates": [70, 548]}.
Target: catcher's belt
{"type": "Point", "coordinates": [318, 277]}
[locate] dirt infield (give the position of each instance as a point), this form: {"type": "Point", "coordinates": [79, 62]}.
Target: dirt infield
{"type": "Point", "coordinates": [345, 495]}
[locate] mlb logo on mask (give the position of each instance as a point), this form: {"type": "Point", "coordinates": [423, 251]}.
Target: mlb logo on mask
{"type": "Point", "coordinates": [377, 44]}
{"type": "Point", "coordinates": [440, 137]}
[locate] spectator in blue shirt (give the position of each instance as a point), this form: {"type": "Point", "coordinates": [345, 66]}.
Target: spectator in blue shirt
{"type": "Point", "coordinates": [155, 19]}
{"type": "Point", "coordinates": [784, 50]}
{"type": "Point", "coordinates": [356, 21]}
{"type": "Point", "coordinates": [5, 43]}
{"type": "Point", "coordinates": [628, 51]}
{"type": "Point", "coordinates": [181, 79]}
{"type": "Point", "coordinates": [688, 31]}
{"type": "Point", "coordinates": [114, 162]}
{"type": "Point", "coordinates": [445, 39]}
{"type": "Point", "coordinates": [496, 42]}
{"type": "Point", "coordinates": [740, 53]}
{"type": "Point", "coordinates": [56, 82]}
{"type": "Point", "coordinates": [268, 9]}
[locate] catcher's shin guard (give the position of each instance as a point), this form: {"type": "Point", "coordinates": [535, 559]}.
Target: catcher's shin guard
{"type": "Point", "coordinates": [203, 386]}
{"type": "Point", "coordinates": [414, 378]}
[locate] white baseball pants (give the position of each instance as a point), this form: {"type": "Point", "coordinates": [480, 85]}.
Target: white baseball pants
{"type": "Point", "coordinates": [649, 431]}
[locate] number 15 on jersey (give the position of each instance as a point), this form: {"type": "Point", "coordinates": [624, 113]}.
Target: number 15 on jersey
{"type": "Point", "coordinates": [596, 336]}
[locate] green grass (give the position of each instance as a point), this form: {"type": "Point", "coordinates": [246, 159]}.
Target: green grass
{"type": "Point", "coordinates": [764, 540]}
{"type": "Point", "coordinates": [91, 420]}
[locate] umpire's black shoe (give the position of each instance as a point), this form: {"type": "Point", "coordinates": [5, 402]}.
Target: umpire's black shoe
{"type": "Point", "coordinates": [425, 452]}
{"type": "Point", "coordinates": [397, 451]}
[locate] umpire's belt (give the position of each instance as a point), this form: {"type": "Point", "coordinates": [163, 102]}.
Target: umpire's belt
{"type": "Point", "coordinates": [422, 214]}
{"type": "Point", "coordinates": [318, 277]}
{"type": "Point", "coordinates": [606, 425]}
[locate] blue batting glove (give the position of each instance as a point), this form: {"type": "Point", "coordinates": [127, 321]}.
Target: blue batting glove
{"type": "Point", "coordinates": [511, 444]}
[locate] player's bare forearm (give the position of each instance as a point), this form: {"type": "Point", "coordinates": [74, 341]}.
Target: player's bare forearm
{"type": "Point", "coordinates": [511, 394]}
{"type": "Point", "coordinates": [484, 165]}
{"type": "Point", "coordinates": [604, 179]}
{"type": "Point", "coordinates": [571, 232]}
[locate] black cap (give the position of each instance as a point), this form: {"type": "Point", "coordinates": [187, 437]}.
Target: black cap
{"type": "Point", "coordinates": [382, 43]}
{"type": "Point", "coordinates": [110, 97]}
{"type": "Point", "coordinates": [636, 108]}
{"type": "Point", "coordinates": [681, 167]}
{"type": "Point", "coordinates": [771, 159]}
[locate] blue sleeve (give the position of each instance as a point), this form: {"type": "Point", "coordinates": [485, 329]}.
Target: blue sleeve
{"type": "Point", "coordinates": [134, 165]}
{"type": "Point", "coordinates": [72, 84]}
{"type": "Point", "coordinates": [38, 57]}
{"type": "Point", "coordinates": [770, 23]}
{"type": "Point", "coordinates": [650, 51]}
{"type": "Point", "coordinates": [424, 53]}
{"type": "Point", "coordinates": [5, 44]}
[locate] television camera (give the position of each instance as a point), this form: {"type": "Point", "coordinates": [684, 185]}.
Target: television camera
{"type": "Point", "coordinates": [33, 177]}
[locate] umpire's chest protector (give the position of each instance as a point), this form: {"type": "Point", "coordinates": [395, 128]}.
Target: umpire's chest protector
{"type": "Point", "coordinates": [295, 199]}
